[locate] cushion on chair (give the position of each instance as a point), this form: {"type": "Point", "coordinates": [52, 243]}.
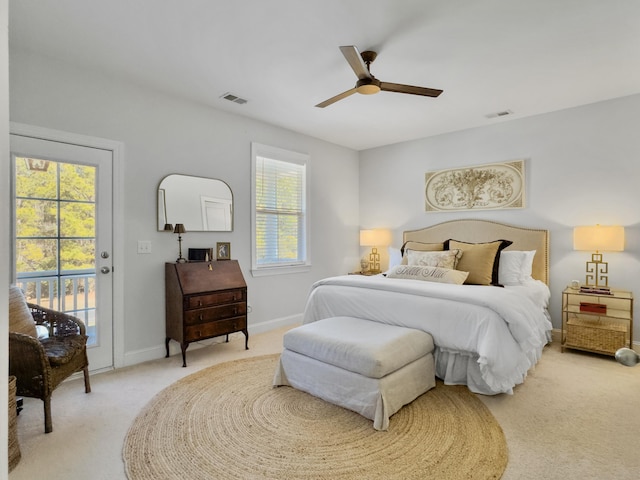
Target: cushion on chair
{"type": "Point", "coordinates": [60, 350]}
{"type": "Point", "coordinates": [20, 318]}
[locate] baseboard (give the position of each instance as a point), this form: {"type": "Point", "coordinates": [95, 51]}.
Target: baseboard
{"type": "Point", "coordinates": [274, 324]}
{"type": "Point", "coordinates": [159, 351]}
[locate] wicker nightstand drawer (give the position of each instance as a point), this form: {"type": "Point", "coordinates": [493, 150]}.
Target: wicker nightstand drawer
{"type": "Point", "coordinates": [600, 335]}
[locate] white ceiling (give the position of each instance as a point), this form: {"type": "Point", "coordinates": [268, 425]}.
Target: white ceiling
{"type": "Point", "coordinates": [527, 56]}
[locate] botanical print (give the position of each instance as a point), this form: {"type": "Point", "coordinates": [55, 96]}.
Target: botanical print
{"type": "Point", "coordinates": [486, 187]}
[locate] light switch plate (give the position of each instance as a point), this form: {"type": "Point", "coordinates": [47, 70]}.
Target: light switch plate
{"type": "Point", "coordinates": [144, 246]}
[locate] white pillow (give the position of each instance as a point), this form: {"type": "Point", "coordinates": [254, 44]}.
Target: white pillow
{"type": "Point", "coordinates": [443, 259]}
{"type": "Point", "coordinates": [395, 257]}
{"type": "Point", "coordinates": [515, 266]}
{"type": "Point", "coordinates": [429, 274]}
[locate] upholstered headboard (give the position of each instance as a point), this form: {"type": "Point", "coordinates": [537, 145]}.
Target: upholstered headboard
{"type": "Point", "coordinates": [487, 231]}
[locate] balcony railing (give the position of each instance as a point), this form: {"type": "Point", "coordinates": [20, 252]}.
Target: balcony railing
{"type": "Point", "coordinates": [76, 296]}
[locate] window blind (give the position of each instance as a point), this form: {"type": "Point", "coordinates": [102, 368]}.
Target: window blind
{"type": "Point", "coordinates": [280, 211]}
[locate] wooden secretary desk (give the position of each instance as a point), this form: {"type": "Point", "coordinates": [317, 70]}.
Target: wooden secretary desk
{"type": "Point", "coordinates": [204, 300]}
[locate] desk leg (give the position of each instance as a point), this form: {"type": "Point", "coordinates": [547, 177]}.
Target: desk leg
{"type": "Point", "coordinates": [184, 353]}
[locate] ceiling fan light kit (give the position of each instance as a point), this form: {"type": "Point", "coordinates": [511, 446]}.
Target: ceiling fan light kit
{"type": "Point", "coordinates": [367, 84]}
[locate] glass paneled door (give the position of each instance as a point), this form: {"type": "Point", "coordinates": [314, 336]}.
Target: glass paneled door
{"type": "Point", "coordinates": [62, 233]}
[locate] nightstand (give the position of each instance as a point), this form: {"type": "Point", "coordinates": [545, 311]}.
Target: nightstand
{"type": "Point", "coordinates": [597, 323]}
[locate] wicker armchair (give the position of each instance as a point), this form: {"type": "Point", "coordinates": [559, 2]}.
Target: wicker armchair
{"type": "Point", "coordinates": [41, 364]}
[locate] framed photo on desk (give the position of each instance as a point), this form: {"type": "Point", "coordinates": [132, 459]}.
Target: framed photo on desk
{"type": "Point", "coordinates": [223, 251]}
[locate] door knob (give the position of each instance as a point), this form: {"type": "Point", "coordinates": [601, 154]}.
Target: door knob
{"type": "Point", "coordinates": [105, 269]}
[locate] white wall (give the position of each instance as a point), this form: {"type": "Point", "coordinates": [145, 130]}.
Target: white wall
{"type": "Point", "coordinates": [163, 135]}
{"type": "Point", "coordinates": [583, 168]}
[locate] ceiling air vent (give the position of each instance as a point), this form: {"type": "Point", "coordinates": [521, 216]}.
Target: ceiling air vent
{"type": "Point", "coordinates": [233, 98]}
{"type": "Point", "coordinates": [503, 113]}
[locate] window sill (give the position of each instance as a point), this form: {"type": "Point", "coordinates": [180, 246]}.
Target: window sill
{"type": "Point", "coordinates": [284, 270]}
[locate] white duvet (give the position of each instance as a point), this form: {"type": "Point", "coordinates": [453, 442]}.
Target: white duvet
{"type": "Point", "coordinates": [486, 337]}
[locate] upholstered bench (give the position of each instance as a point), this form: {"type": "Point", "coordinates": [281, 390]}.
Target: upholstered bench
{"type": "Point", "coordinates": [371, 368]}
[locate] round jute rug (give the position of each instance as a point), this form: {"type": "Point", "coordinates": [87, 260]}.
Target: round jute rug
{"type": "Point", "coordinates": [228, 422]}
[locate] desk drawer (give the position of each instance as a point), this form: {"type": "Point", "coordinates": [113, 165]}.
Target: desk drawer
{"type": "Point", "coordinates": [211, 299]}
{"type": "Point", "coordinates": [204, 315]}
{"type": "Point", "coordinates": [214, 329]}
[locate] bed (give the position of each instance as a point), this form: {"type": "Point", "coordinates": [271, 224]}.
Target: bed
{"type": "Point", "coordinates": [486, 336]}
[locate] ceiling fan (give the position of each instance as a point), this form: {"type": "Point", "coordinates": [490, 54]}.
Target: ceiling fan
{"type": "Point", "coordinates": [367, 84]}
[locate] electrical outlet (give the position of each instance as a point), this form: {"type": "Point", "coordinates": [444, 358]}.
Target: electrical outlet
{"type": "Point", "coordinates": [144, 246]}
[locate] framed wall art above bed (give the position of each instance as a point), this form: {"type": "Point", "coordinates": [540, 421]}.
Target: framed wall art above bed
{"type": "Point", "coordinates": [483, 187]}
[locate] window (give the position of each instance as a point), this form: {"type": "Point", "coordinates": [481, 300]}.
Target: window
{"type": "Point", "coordinates": [279, 211]}
{"type": "Point", "coordinates": [55, 235]}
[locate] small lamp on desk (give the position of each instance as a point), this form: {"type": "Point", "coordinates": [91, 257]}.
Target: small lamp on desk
{"type": "Point", "coordinates": [374, 239]}
{"type": "Point", "coordinates": [598, 238]}
{"type": "Point", "coordinates": [179, 229]}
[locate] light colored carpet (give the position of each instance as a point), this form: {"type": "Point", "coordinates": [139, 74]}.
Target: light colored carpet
{"type": "Point", "coordinates": [228, 422]}
{"type": "Point", "coordinates": [576, 416]}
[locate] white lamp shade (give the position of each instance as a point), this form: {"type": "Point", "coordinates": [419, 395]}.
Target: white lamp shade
{"type": "Point", "coordinates": [599, 238]}
{"type": "Point", "coordinates": [375, 238]}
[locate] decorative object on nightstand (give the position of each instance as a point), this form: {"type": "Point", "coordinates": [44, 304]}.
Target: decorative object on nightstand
{"type": "Point", "coordinates": [627, 357]}
{"type": "Point", "coordinates": [374, 239]}
{"type": "Point", "coordinates": [179, 229]}
{"type": "Point", "coordinates": [597, 322]}
{"type": "Point", "coordinates": [364, 264]}
{"type": "Point", "coordinates": [601, 239]}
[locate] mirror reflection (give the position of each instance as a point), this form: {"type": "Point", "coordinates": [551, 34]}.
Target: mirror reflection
{"type": "Point", "coordinates": [200, 204]}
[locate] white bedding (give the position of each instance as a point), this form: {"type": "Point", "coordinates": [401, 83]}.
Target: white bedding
{"type": "Point", "coordinates": [486, 337]}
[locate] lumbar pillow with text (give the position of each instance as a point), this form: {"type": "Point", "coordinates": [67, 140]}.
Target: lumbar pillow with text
{"type": "Point", "coordinates": [429, 274]}
{"type": "Point", "coordinates": [444, 259]}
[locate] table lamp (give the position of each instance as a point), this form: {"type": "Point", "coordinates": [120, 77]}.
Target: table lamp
{"type": "Point", "coordinates": [374, 239]}
{"type": "Point", "coordinates": [179, 229]}
{"type": "Point", "coordinates": [601, 239]}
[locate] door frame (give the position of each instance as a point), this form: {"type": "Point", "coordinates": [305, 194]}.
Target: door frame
{"type": "Point", "coordinates": [117, 150]}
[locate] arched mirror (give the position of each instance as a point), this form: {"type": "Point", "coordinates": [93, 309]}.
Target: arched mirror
{"type": "Point", "coordinates": [200, 204]}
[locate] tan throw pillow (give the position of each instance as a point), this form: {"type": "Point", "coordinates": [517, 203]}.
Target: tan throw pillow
{"type": "Point", "coordinates": [444, 259]}
{"type": "Point", "coordinates": [20, 318]}
{"type": "Point", "coordinates": [429, 274]}
{"type": "Point", "coordinates": [481, 260]}
{"type": "Point", "coordinates": [419, 247]}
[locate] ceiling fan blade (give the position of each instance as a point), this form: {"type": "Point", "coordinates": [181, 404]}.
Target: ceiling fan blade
{"type": "Point", "coordinates": [399, 88]}
{"type": "Point", "coordinates": [340, 96]}
{"type": "Point", "coordinates": [352, 55]}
